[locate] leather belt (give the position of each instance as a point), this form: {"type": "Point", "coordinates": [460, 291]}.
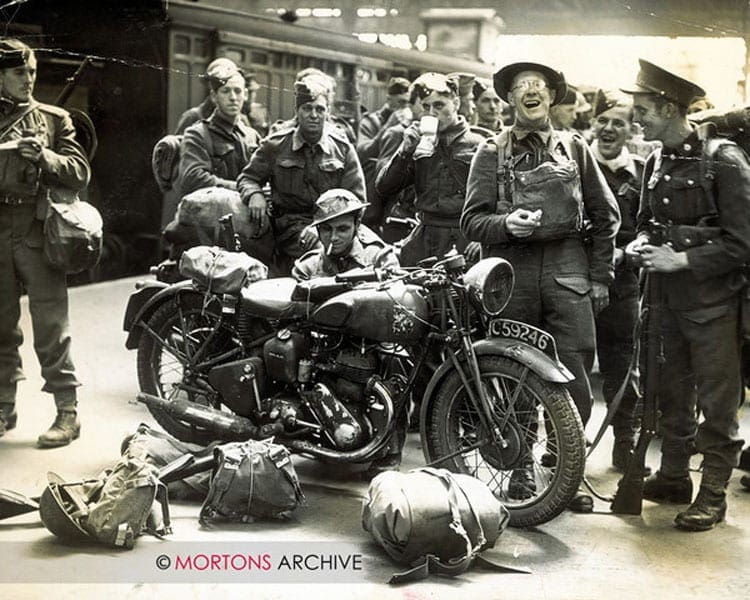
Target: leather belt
{"type": "Point", "coordinates": [11, 200]}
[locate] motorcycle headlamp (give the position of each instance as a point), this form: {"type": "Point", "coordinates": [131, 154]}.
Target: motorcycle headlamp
{"type": "Point", "coordinates": [490, 284]}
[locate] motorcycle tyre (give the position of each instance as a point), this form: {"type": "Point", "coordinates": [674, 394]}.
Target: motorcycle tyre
{"type": "Point", "coordinates": [147, 378]}
{"type": "Point", "coordinates": [561, 411]}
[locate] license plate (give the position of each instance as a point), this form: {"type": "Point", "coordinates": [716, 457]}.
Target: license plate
{"type": "Point", "coordinates": [523, 332]}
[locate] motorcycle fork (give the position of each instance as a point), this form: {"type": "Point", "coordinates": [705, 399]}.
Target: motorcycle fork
{"type": "Point", "coordinates": [478, 396]}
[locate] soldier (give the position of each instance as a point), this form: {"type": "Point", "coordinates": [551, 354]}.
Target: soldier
{"type": "Point", "coordinates": [371, 129]}
{"type": "Point", "coordinates": [345, 243]}
{"type": "Point", "coordinates": [467, 108]}
{"type": "Point", "coordinates": [438, 168]}
{"type": "Point", "coordinates": [301, 163]}
{"type": "Point", "coordinates": [696, 194]}
{"type": "Point", "coordinates": [563, 114]}
{"type": "Point", "coordinates": [528, 189]}
{"type": "Point", "coordinates": [214, 150]}
{"type": "Point", "coordinates": [44, 155]}
{"type": "Point", "coordinates": [204, 109]}
{"type": "Point", "coordinates": [489, 107]}
{"type": "Point", "coordinates": [613, 115]}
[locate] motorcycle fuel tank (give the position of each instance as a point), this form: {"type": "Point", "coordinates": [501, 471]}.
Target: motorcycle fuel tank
{"type": "Point", "coordinates": [396, 313]}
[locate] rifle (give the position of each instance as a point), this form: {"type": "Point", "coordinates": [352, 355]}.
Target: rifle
{"type": "Point", "coordinates": [72, 81]}
{"type": "Point", "coordinates": [629, 496]}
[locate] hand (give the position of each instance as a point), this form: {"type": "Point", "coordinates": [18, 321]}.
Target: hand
{"type": "Point", "coordinates": [308, 238]}
{"type": "Point", "coordinates": [257, 210]}
{"type": "Point", "coordinates": [663, 259]}
{"type": "Point", "coordinates": [30, 148]}
{"type": "Point", "coordinates": [599, 296]}
{"type": "Point", "coordinates": [473, 252]}
{"type": "Point", "coordinates": [412, 135]}
{"type": "Point", "coordinates": [402, 115]}
{"type": "Point", "coordinates": [521, 223]}
{"type": "Point", "coordinates": [633, 249]}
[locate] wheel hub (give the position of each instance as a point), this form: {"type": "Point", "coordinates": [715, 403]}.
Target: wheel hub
{"type": "Point", "coordinates": [504, 458]}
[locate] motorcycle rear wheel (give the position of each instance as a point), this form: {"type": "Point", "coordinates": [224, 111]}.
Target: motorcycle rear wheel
{"type": "Point", "coordinates": [543, 431]}
{"type": "Point", "coordinates": [185, 338]}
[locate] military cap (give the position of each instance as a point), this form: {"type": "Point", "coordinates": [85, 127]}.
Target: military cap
{"type": "Point", "coordinates": [606, 99]}
{"type": "Point", "coordinates": [465, 82]}
{"type": "Point", "coordinates": [13, 53]}
{"type": "Point", "coordinates": [569, 97]}
{"type": "Point", "coordinates": [336, 203]}
{"type": "Point", "coordinates": [309, 88]}
{"type": "Point", "coordinates": [655, 80]}
{"type": "Point", "coordinates": [398, 85]}
{"type": "Point", "coordinates": [427, 83]}
{"type": "Point", "coordinates": [480, 86]}
{"type": "Point", "coordinates": [503, 79]}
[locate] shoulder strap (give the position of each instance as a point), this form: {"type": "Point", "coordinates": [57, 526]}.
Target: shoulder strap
{"type": "Point", "coordinates": [9, 123]}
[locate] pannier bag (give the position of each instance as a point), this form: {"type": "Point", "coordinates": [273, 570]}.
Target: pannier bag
{"type": "Point", "coordinates": [72, 235]}
{"type": "Point", "coordinates": [161, 449]}
{"type": "Point", "coordinates": [113, 509]}
{"type": "Point", "coordinates": [252, 479]}
{"type": "Point", "coordinates": [432, 520]}
{"type": "Point", "coordinates": [220, 271]}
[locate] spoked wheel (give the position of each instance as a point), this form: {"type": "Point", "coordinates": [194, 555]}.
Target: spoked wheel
{"type": "Point", "coordinates": [182, 341]}
{"type": "Point", "coordinates": [539, 467]}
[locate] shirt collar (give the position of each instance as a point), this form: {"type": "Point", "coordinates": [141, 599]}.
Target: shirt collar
{"type": "Point", "coordinates": [222, 124]}
{"type": "Point", "coordinates": [356, 253]}
{"type": "Point", "coordinates": [690, 146]}
{"type": "Point", "coordinates": [450, 133]}
{"type": "Point", "coordinates": [544, 132]}
{"type": "Point", "coordinates": [324, 143]}
{"type": "Point", "coordinates": [624, 160]}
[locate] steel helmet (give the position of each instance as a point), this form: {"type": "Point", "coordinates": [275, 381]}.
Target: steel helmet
{"type": "Point", "coordinates": [336, 203]}
{"type": "Point", "coordinates": [61, 508]}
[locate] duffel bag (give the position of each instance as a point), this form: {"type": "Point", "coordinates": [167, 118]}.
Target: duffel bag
{"type": "Point", "coordinates": [220, 271]}
{"type": "Point", "coordinates": [252, 479]}
{"type": "Point", "coordinates": [432, 520]}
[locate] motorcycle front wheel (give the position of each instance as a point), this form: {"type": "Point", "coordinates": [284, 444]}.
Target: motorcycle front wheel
{"type": "Point", "coordinates": [182, 340]}
{"type": "Point", "coordinates": [537, 468]}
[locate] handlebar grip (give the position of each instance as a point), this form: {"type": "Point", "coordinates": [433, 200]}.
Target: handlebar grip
{"type": "Point", "coordinates": [357, 276]}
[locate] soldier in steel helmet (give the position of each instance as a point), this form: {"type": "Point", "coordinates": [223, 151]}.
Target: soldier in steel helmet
{"type": "Point", "coordinates": [345, 243]}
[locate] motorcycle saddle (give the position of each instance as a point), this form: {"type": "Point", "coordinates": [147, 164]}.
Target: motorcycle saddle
{"type": "Point", "coordinates": [272, 299]}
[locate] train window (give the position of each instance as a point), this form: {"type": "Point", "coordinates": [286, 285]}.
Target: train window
{"type": "Point", "coordinates": [291, 61]}
{"type": "Point", "coordinates": [182, 44]}
{"type": "Point", "coordinates": [258, 58]}
{"type": "Point", "coordinates": [236, 55]}
{"type": "Point", "coordinates": [277, 59]}
{"type": "Point", "coordinates": [201, 47]}
{"type": "Point", "coordinates": [383, 75]}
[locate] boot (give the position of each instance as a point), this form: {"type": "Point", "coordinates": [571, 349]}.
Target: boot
{"type": "Point", "coordinates": [622, 453]}
{"type": "Point", "coordinates": [661, 488]}
{"type": "Point", "coordinates": [581, 503]}
{"type": "Point", "coordinates": [745, 459]}
{"type": "Point", "coordinates": [708, 509]}
{"type": "Point", "coordinates": [522, 485]}
{"type": "Point", "coordinates": [8, 418]}
{"type": "Point", "coordinates": [64, 430]}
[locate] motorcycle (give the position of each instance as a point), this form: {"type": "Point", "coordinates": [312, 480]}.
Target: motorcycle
{"type": "Point", "coordinates": [328, 367]}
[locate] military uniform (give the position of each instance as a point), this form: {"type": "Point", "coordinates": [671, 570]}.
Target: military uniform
{"type": "Point", "coordinates": [214, 152]}
{"type": "Point", "coordinates": [439, 181]}
{"type": "Point", "coordinates": [299, 173]}
{"type": "Point", "coordinates": [367, 250]}
{"type": "Point", "coordinates": [555, 171]}
{"type": "Point", "coordinates": [616, 323]}
{"type": "Point", "coordinates": [23, 208]}
{"type": "Point", "coordinates": [710, 221]}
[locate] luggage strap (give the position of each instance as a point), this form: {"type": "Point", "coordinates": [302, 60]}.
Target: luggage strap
{"type": "Point", "coordinates": [455, 566]}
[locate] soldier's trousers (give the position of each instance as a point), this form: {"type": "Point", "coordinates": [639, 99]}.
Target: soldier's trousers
{"type": "Point", "coordinates": [23, 267]}
{"type": "Point", "coordinates": [701, 370]}
{"type": "Point", "coordinates": [614, 348]}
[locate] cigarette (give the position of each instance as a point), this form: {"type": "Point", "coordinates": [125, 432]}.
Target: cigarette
{"type": "Point", "coordinates": [328, 250]}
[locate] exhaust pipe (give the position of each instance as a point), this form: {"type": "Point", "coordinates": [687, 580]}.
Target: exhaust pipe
{"type": "Point", "coordinates": [226, 426]}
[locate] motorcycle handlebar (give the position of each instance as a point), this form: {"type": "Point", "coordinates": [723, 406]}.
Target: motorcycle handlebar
{"type": "Point", "coordinates": [358, 276]}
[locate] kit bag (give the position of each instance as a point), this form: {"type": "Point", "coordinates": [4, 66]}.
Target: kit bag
{"type": "Point", "coordinates": [114, 508]}
{"type": "Point", "coordinates": [72, 233]}
{"type": "Point", "coordinates": [220, 271]}
{"type": "Point", "coordinates": [252, 479]}
{"type": "Point", "coordinates": [432, 520]}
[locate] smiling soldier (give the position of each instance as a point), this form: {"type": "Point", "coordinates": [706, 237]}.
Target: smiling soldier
{"type": "Point", "coordinates": [528, 190]}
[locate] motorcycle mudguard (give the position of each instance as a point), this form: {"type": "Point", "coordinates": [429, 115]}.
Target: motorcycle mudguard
{"type": "Point", "coordinates": [143, 303]}
{"type": "Point", "coordinates": [536, 360]}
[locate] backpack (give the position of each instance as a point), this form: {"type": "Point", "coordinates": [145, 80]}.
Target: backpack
{"type": "Point", "coordinates": [165, 159]}
{"type": "Point", "coordinates": [113, 509]}
{"type": "Point", "coordinates": [433, 520]}
{"type": "Point", "coordinates": [251, 479]}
